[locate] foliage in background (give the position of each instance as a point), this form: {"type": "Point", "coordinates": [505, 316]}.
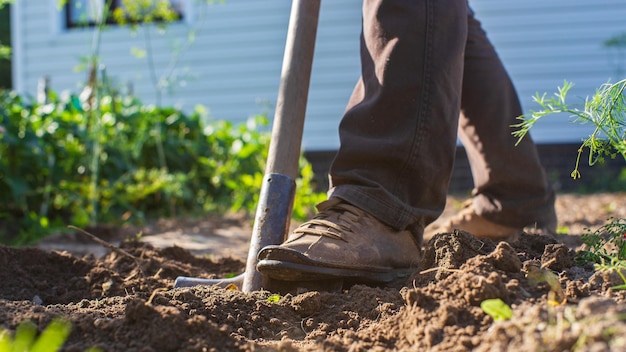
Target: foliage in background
{"type": "Point", "coordinates": [147, 16]}
{"type": "Point", "coordinates": [5, 49]}
{"type": "Point", "coordinates": [100, 157]}
{"type": "Point", "coordinates": [61, 165]}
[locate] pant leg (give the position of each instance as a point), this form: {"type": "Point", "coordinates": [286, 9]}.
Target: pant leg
{"type": "Point", "coordinates": [398, 134]}
{"type": "Point", "coordinates": [510, 185]}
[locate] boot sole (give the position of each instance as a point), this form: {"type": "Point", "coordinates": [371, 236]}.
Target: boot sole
{"type": "Point", "coordinates": [289, 271]}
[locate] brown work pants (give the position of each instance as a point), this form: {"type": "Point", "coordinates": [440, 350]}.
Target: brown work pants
{"type": "Point", "coordinates": [425, 63]}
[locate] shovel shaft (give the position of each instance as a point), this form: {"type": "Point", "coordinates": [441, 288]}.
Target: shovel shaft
{"type": "Point", "coordinates": [293, 92]}
{"type": "Point", "coordinates": [277, 193]}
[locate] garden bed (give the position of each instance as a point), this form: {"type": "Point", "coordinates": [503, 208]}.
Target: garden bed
{"type": "Point", "coordinates": [118, 303]}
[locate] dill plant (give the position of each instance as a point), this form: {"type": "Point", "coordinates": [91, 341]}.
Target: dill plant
{"type": "Point", "coordinates": [605, 111]}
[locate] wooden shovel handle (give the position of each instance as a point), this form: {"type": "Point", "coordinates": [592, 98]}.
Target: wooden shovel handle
{"type": "Point", "coordinates": [284, 152]}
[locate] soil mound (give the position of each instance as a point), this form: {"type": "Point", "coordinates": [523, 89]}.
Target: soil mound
{"type": "Point", "coordinates": [126, 303]}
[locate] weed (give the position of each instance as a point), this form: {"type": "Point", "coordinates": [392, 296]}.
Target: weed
{"type": "Point", "coordinates": [562, 230]}
{"type": "Point", "coordinates": [51, 338]}
{"type": "Point", "coordinates": [607, 248]}
{"type": "Point", "coordinates": [606, 112]}
{"type": "Point", "coordinates": [537, 275]}
{"type": "Point", "coordinates": [497, 309]}
{"type": "Point", "coordinates": [607, 243]}
{"type": "Point", "coordinates": [275, 298]}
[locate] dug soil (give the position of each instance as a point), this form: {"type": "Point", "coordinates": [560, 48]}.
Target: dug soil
{"type": "Point", "coordinates": [124, 300]}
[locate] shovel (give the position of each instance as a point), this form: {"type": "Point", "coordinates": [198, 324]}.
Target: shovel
{"type": "Point", "coordinates": [273, 213]}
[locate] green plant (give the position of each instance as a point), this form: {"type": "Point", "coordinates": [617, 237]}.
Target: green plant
{"type": "Point", "coordinates": [497, 309]}
{"type": "Point", "coordinates": [275, 298]}
{"type": "Point", "coordinates": [606, 247]}
{"type": "Point", "coordinates": [606, 242]}
{"type": "Point", "coordinates": [306, 195]}
{"type": "Point", "coordinates": [537, 275]}
{"type": "Point", "coordinates": [51, 338]}
{"type": "Point", "coordinates": [103, 157]}
{"type": "Point", "coordinates": [142, 15]}
{"type": "Point", "coordinates": [47, 154]}
{"type": "Point", "coordinates": [605, 110]}
{"type": "Point", "coordinates": [5, 50]}
{"type": "Point", "coordinates": [149, 13]}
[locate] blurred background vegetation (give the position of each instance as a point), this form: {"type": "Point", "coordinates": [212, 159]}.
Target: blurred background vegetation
{"type": "Point", "coordinates": [5, 39]}
{"type": "Point", "coordinates": [101, 156]}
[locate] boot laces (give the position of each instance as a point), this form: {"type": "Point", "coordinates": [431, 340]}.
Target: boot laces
{"type": "Point", "coordinates": [332, 222]}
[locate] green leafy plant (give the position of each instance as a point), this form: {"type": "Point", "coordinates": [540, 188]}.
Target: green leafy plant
{"type": "Point", "coordinates": [5, 50]}
{"type": "Point", "coordinates": [537, 275]}
{"type": "Point", "coordinates": [497, 309]}
{"type": "Point", "coordinates": [617, 266]}
{"type": "Point", "coordinates": [51, 338]}
{"type": "Point", "coordinates": [103, 157]}
{"type": "Point", "coordinates": [49, 181]}
{"type": "Point", "coordinates": [605, 111]}
{"type": "Point", "coordinates": [275, 298]}
{"type": "Point", "coordinates": [607, 242]}
{"type": "Point", "coordinates": [149, 13]}
{"type": "Point", "coordinates": [606, 247]}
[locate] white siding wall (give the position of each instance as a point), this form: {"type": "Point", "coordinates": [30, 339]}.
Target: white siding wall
{"type": "Point", "coordinates": [234, 65]}
{"type": "Point", "coordinates": [543, 43]}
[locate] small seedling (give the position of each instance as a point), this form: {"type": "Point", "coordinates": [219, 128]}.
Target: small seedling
{"type": "Point", "coordinates": [607, 248]}
{"type": "Point", "coordinates": [273, 298]}
{"type": "Point", "coordinates": [231, 287]}
{"type": "Point", "coordinates": [50, 340]}
{"type": "Point", "coordinates": [619, 266]}
{"type": "Point", "coordinates": [537, 275]}
{"type": "Point", "coordinates": [608, 241]}
{"type": "Point", "coordinates": [497, 309]}
{"type": "Point", "coordinates": [562, 230]}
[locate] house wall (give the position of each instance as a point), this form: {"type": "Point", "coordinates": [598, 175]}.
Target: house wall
{"type": "Point", "coordinates": [233, 67]}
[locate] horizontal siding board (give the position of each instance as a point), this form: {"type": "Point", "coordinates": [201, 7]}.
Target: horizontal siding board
{"type": "Point", "coordinates": [544, 43]}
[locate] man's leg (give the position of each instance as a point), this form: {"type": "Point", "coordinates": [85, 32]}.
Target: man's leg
{"type": "Point", "coordinates": [398, 134]}
{"type": "Point", "coordinates": [398, 139]}
{"type": "Point", "coordinates": [510, 186]}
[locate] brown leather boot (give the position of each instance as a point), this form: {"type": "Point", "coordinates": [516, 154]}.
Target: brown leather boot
{"type": "Point", "coordinates": [469, 221]}
{"type": "Point", "coordinates": [342, 242]}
